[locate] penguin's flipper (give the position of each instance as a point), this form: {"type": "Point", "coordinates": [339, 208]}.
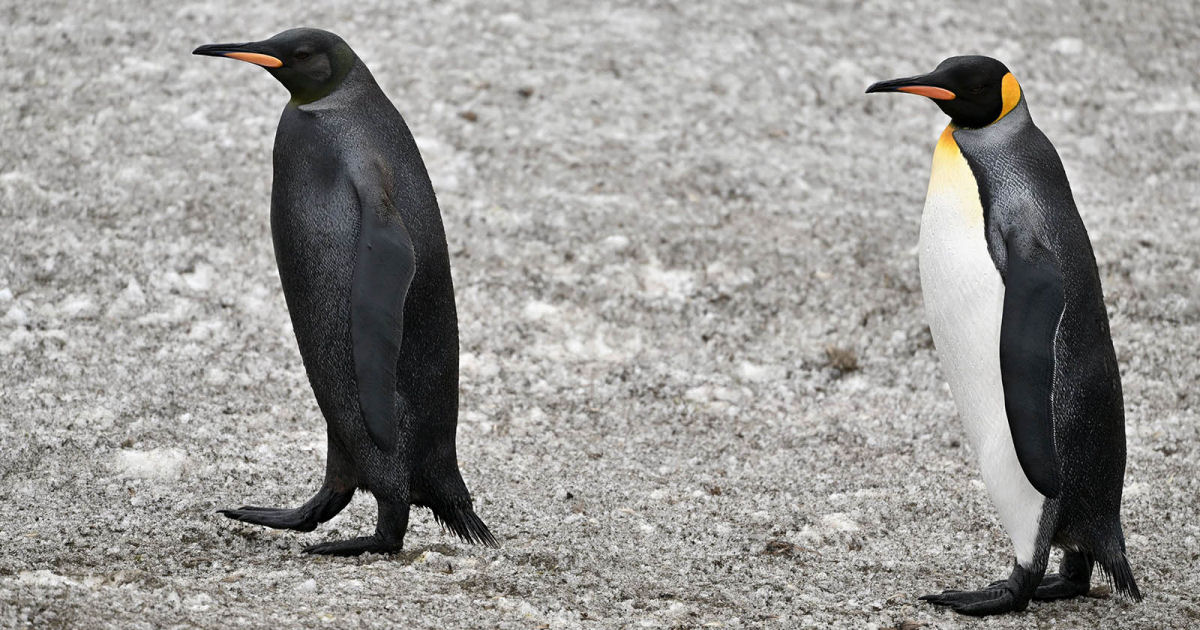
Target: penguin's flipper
{"type": "Point", "coordinates": [1033, 307]}
{"type": "Point", "coordinates": [383, 272]}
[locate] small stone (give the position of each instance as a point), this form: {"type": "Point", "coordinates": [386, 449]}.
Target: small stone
{"type": "Point", "coordinates": [841, 359]}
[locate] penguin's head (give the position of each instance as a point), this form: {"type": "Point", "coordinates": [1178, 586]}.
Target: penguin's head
{"type": "Point", "coordinates": [974, 91]}
{"type": "Point", "coordinates": [309, 62]}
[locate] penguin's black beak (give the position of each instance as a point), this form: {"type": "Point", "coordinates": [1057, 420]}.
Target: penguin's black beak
{"type": "Point", "coordinates": [924, 85]}
{"type": "Point", "coordinates": [251, 52]}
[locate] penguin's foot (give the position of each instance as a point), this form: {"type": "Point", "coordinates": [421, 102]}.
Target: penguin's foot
{"type": "Point", "coordinates": [356, 546]}
{"type": "Point", "coordinates": [299, 519]}
{"type": "Point", "coordinates": [986, 601]}
{"type": "Point", "coordinates": [323, 506]}
{"type": "Point", "coordinates": [1057, 586]}
{"type": "Point", "coordinates": [388, 538]}
{"type": "Point", "coordinates": [1072, 580]}
{"type": "Point", "coordinates": [997, 598]}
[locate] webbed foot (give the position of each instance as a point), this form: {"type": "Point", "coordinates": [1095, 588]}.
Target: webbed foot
{"type": "Point", "coordinates": [279, 518]}
{"type": "Point", "coordinates": [355, 546]}
{"type": "Point", "coordinates": [388, 538]}
{"type": "Point", "coordinates": [1011, 595]}
{"type": "Point", "coordinates": [322, 507]}
{"type": "Point", "coordinates": [985, 601]}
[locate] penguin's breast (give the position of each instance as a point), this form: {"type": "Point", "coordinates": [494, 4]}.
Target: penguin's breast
{"type": "Point", "coordinates": [315, 226]}
{"type": "Point", "coordinates": [964, 303]}
{"type": "Point", "coordinates": [963, 292]}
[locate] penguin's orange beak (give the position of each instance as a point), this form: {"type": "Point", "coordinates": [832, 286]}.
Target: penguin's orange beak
{"type": "Point", "coordinates": [913, 85]}
{"type": "Point", "coordinates": [935, 93]}
{"type": "Point", "coordinates": [266, 61]}
{"type": "Point", "coordinates": [239, 52]}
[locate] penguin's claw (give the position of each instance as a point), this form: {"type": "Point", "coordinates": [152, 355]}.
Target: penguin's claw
{"type": "Point", "coordinates": [299, 520]}
{"type": "Point", "coordinates": [988, 601]}
{"type": "Point", "coordinates": [355, 546]}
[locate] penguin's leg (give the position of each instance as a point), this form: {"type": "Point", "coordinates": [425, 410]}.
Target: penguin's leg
{"type": "Point", "coordinates": [388, 538]}
{"type": "Point", "coordinates": [387, 476]}
{"type": "Point", "coordinates": [1074, 578]}
{"type": "Point", "coordinates": [334, 495]}
{"type": "Point", "coordinates": [1011, 595]}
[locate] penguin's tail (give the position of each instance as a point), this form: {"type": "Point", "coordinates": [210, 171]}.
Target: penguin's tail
{"type": "Point", "coordinates": [461, 519]}
{"type": "Point", "coordinates": [1116, 566]}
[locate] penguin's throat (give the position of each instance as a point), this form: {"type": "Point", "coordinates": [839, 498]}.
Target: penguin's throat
{"type": "Point", "coordinates": [304, 95]}
{"type": "Point", "coordinates": [946, 140]}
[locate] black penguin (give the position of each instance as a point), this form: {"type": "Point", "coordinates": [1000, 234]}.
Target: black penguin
{"type": "Point", "coordinates": [362, 255]}
{"type": "Point", "coordinates": [1018, 319]}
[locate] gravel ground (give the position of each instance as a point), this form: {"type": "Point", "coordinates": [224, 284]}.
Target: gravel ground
{"type": "Point", "coordinates": [697, 386]}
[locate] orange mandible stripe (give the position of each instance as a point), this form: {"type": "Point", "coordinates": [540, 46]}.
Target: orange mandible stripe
{"type": "Point", "coordinates": [267, 61]}
{"type": "Point", "coordinates": [935, 93]}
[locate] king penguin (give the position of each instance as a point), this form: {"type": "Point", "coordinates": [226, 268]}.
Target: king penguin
{"type": "Point", "coordinates": [1014, 304]}
{"type": "Point", "coordinates": [362, 256]}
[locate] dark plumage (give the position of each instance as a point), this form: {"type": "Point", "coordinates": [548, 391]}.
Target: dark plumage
{"type": "Point", "coordinates": [362, 255]}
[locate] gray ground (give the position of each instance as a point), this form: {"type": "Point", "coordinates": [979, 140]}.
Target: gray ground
{"type": "Point", "coordinates": [675, 229]}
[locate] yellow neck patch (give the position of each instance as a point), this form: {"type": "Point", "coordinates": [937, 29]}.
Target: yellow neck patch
{"type": "Point", "coordinates": [946, 144]}
{"type": "Point", "coordinates": [1010, 92]}
{"type": "Point", "coordinates": [953, 192]}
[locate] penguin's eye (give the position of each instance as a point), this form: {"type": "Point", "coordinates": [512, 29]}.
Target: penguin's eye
{"type": "Point", "coordinates": [978, 89]}
{"type": "Point", "coordinates": [302, 55]}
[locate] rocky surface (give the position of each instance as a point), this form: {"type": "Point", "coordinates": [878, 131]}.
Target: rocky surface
{"type": "Point", "coordinates": [697, 387]}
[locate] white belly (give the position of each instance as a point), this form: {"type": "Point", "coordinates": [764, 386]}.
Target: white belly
{"type": "Point", "coordinates": [964, 301]}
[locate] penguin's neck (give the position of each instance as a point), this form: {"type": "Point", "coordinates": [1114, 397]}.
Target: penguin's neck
{"type": "Point", "coordinates": [1006, 129]}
